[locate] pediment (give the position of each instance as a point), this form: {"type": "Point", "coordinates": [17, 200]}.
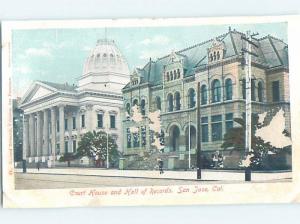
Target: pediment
{"type": "Point", "coordinates": [37, 92]}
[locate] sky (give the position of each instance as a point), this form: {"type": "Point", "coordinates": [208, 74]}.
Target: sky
{"type": "Point", "coordinates": [58, 55]}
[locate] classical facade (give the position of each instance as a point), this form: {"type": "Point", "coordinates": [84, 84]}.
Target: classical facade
{"type": "Point", "coordinates": [57, 115]}
{"type": "Point", "coordinates": [169, 84]}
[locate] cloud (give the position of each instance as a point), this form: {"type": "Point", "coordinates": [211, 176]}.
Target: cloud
{"type": "Point", "coordinates": [158, 39]}
{"type": "Point", "coordinates": [86, 48]}
{"type": "Point", "coordinates": [41, 52]}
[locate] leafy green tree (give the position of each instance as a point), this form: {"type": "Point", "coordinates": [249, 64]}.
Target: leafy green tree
{"type": "Point", "coordinates": [94, 145]}
{"type": "Point", "coordinates": [68, 157]}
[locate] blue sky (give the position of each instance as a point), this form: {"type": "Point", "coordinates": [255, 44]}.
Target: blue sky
{"type": "Point", "coordinates": [58, 55]}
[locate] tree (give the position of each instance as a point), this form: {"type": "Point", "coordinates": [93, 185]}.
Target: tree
{"type": "Point", "coordinates": [68, 157]}
{"type": "Point", "coordinates": [94, 145]}
{"type": "Point", "coordinates": [235, 139]}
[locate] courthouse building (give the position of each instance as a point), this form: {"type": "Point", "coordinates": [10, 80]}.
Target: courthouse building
{"type": "Point", "coordinates": [169, 84]}
{"type": "Point", "coordinates": [56, 115]}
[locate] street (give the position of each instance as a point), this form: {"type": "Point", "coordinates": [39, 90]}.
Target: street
{"type": "Point", "coordinates": [57, 181]}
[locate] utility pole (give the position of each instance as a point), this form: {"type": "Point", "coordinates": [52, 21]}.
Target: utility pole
{"type": "Point", "coordinates": [198, 154]}
{"type": "Point", "coordinates": [248, 79]}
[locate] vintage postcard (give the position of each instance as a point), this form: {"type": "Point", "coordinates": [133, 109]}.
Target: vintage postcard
{"type": "Point", "coordinates": [150, 112]}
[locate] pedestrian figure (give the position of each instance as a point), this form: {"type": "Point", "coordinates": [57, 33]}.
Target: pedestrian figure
{"type": "Point", "coordinates": [38, 166]}
{"type": "Point", "coordinates": [160, 166]}
{"type": "Point", "coordinates": [220, 160]}
{"type": "Point", "coordinates": [215, 160]}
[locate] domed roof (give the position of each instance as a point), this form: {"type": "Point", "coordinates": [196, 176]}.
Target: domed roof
{"type": "Point", "coordinates": [105, 57]}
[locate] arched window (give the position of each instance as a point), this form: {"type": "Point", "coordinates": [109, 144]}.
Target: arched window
{"type": "Point", "coordinates": [177, 101]}
{"type": "Point", "coordinates": [228, 89]}
{"type": "Point", "coordinates": [218, 55]}
{"type": "Point", "coordinates": [203, 95]}
{"type": "Point", "coordinates": [143, 110]}
{"type": "Point", "coordinates": [178, 73]}
{"type": "Point", "coordinates": [175, 74]}
{"type": "Point", "coordinates": [105, 57]}
{"type": "Point", "coordinates": [112, 59]}
{"type": "Point", "coordinates": [192, 98]}
{"type": "Point", "coordinates": [98, 60]}
{"type": "Point", "coordinates": [170, 102]}
{"type": "Point", "coordinates": [260, 92]}
{"type": "Point", "coordinates": [215, 56]}
{"type": "Point", "coordinates": [168, 76]}
{"type": "Point", "coordinates": [216, 91]}
{"type": "Point", "coordinates": [158, 103]}
{"type": "Point", "coordinates": [211, 57]}
{"type": "Point", "coordinates": [135, 102]}
{"type": "Point", "coordinates": [174, 138]}
{"type": "Point", "coordinates": [171, 75]}
{"type": "Point", "coordinates": [128, 108]}
{"type": "Point", "coordinates": [253, 96]}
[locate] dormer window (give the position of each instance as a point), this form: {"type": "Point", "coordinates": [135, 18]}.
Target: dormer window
{"type": "Point", "coordinates": [216, 51]}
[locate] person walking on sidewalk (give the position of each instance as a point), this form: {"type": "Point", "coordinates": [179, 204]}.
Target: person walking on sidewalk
{"type": "Point", "coordinates": [160, 166]}
{"type": "Point", "coordinates": [38, 166]}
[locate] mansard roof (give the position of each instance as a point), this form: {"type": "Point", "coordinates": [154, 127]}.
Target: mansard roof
{"type": "Point", "coordinates": [271, 52]}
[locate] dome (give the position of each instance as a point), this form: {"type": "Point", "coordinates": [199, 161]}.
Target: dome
{"type": "Point", "coordinates": [105, 57]}
{"type": "Point", "coordinates": [105, 69]}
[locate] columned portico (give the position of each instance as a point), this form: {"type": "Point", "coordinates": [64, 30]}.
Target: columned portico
{"type": "Point", "coordinates": [53, 131]}
{"type": "Point", "coordinates": [39, 134]}
{"type": "Point", "coordinates": [46, 133]}
{"type": "Point", "coordinates": [31, 136]}
{"type": "Point", "coordinates": [26, 149]}
{"type": "Point", "coordinates": [62, 129]}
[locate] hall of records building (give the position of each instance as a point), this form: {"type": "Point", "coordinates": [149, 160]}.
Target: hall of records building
{"type": "Point", "coordinates": [169, 84]}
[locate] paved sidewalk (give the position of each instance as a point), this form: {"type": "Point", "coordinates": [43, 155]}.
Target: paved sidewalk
{"type": "Point", "coordinates": [209, 175]}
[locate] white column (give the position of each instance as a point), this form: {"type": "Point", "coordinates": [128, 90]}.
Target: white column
{"type": "Point", "coordinates": [26, 149]}
{"type": "Point", "coordinates": [53, 131]}
{"type": "Point", "coordinates": [46, 133]}
{"type": "Point", "coordinates": [39, 146]}
{"type": "Point", "coordinates": [62, 129]}
{"type": "Point", "coordinates": [78, 126]}
{"type": "Point", "coordinates": [31, 135]}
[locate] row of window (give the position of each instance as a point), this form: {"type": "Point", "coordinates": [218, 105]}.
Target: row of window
{"type": "Point", "coordinates": [216, 89]}
{"type": "Point", "coordinates": [73, 149]}
{"type": "Point", "coordinates": [83, 125]}
{"type": "Point", "coordinates": [139, 138]}
{"type": "Point", "coordinates": [214, 56]}
{"type": "Point", "coordinates": [216, 127]}
{"type": "Point", "coordinates": [172, 75]}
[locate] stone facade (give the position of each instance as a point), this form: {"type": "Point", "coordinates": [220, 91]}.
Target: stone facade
{"type": "Point", "coordinates": [169, 84]}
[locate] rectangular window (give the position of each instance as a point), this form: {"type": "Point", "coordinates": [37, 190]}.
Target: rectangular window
{"type": "Point", "coordinates": [82, 121]}
{"type": "Point", "coordinates": [151, 136]}
{"type": "Point", "coordinates": [143, 132]}
{"type": "Point", "coordinates": [275, 91]}
{"type": "Point", "coordinates": [66, 147]}
{"type": "Point", "coordinates": [216, 128]}
{"type": "Point", "coordinates": [229, 121]}
{"type": "Point", "coordinates": [204, 129]}
{"type": "Point", "coordinates": [57, 125]}
{"type": "Point", "coordinates": [128, 138]}
{"type": "Point", "coordinates": [136, 139]}
{"type": "Point", "coordinates": [74, 123]}
{"type": "Point", "coordinates": [66, 124]}
{"type": "Point", "coordinates": [57, 148]}
{"type": "Point", "coordinates": [100, 120]}
{"type": "Point", "coordinates": [112, 121]}
{"type": "Point", "coordinates": [74, 146]}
